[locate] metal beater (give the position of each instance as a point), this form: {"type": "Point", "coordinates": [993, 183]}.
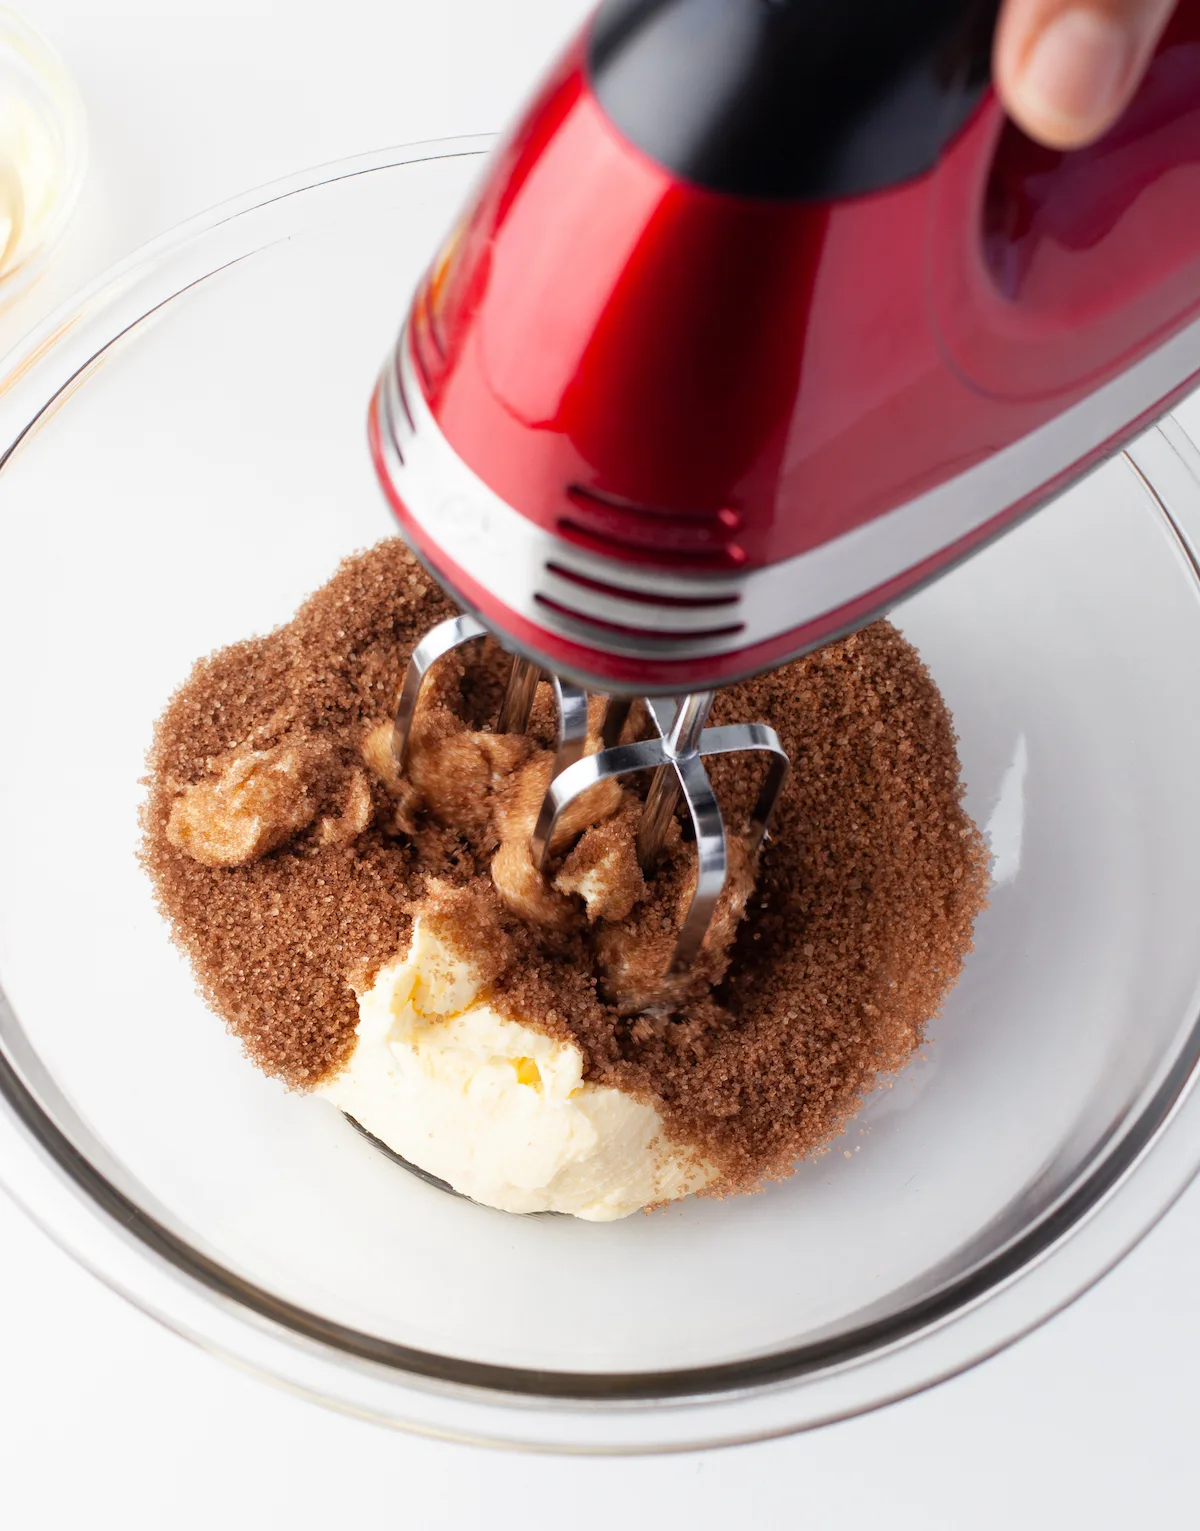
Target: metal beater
{"type": "Point", "coordinates": [675, 753]}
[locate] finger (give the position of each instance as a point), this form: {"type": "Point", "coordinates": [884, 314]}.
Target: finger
{"type": "Point", "coordinates": [1066, 69]}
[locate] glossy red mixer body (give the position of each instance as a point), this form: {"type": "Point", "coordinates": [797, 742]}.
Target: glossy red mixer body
{"type": "Point", "coordinates": [661, 424]}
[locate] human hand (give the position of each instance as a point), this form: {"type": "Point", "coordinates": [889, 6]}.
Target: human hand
{"type": "Point", "coordinates": [1066, 69]}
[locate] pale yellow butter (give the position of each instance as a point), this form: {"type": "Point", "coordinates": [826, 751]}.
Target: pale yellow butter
{"type": "Point", "coordinates": [497, 1109]}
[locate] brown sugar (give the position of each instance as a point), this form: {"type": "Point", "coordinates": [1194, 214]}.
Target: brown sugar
{"type": "Point", "coordinates": [857, 917]}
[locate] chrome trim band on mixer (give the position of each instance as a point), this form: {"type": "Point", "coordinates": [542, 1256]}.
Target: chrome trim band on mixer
{"type": "Point", "coordinates": [512, 556]}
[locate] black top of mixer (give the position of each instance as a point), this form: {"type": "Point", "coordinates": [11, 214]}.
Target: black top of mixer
{"type": "Point", "coordinates": [791, 98]}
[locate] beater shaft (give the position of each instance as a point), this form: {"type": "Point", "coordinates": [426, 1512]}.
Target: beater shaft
{"type": "Point", "coordinates": [691, 714]}
{"type": "Point", "coordinates": [518, 697]}
{"type": "Point", "coordinates": [436, 643]}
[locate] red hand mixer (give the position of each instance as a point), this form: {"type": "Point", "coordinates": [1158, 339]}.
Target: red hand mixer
{"type": "Point", "coordinates": [762, 315]}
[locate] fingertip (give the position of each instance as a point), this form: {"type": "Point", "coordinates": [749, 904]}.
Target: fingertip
{"type": "Point", "coordinates": [1071, 82]}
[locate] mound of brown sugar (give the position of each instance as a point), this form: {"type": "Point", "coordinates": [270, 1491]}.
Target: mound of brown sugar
{"type": "Point", "coordinates": [858, 922]}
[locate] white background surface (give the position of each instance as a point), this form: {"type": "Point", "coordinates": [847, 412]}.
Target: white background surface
{"type": "Point", "coordinates": [106, 1419]}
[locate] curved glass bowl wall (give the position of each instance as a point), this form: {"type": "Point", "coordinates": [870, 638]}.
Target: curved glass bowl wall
{"type": "Point", "coordinates": [189, 462]}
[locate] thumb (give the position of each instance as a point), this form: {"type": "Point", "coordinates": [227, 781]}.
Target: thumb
{"type": "Point", "coordinates": [1066, 69]}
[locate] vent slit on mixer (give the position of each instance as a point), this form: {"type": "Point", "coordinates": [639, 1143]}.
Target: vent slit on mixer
{"type": "Point", "coordinates": [650, 634]}
{"type": "Point", "coordinates": [650, 544]}
{"type": "Point", "coordinates": [590, 499]}
{"type": "Point", "coordinates": [643, 597]}
{"type": "Point", "coordinates": [613, 522]}
{"type": "Point", "coordinates": [402, 399]}
{"type": "Point", "coordinates": [420, 354]}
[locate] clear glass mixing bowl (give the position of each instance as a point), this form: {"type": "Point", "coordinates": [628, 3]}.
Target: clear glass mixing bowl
{"type": "Point", "coordinates": [186, 459]}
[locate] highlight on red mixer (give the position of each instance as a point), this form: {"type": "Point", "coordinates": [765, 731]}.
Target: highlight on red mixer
{"type": "Point", "coordinates": [661, 415]}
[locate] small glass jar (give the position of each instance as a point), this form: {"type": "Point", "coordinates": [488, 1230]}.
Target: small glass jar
{"type": "Point", "coordinates": [43, 152]}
